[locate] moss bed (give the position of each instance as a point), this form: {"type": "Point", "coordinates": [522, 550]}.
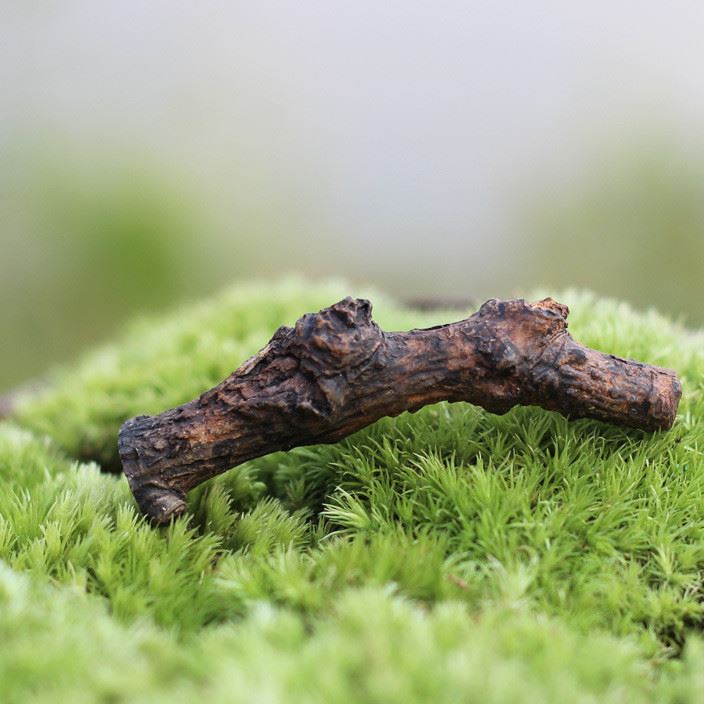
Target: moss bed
{"type": "Point", "coordinates": [449, 555]}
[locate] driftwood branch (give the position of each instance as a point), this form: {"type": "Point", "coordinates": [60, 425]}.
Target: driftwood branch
{"type": "Point", "coordinates": [336, 371]}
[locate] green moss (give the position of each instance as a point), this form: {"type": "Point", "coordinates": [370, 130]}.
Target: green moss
{"type": "Point", "coordinates": [60, 646]}
{"type": "Point", "coordinates": [449, 554]}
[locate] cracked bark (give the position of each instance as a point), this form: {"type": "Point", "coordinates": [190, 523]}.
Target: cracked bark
{"type": "Point", "coordinates": [336, 371]}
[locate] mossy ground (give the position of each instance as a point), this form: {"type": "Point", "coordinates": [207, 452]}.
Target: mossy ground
{"type": "Point", "coordinates": [449, 555]}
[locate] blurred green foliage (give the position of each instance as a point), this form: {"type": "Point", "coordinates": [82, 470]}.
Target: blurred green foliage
{"type": "Point", "coordinates": [85, 247]}
{"type": "Point", "coordinates": [90, 242]}
{"type": "Point", "coordinates": [633, 228]}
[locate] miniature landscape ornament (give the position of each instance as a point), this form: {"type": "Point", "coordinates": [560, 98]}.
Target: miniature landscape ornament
{"type": "Point", "coordinates": [336, 372]}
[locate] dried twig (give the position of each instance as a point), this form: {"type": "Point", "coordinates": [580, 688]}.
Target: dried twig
{"type": "Point", "coordinates": [336, 372]}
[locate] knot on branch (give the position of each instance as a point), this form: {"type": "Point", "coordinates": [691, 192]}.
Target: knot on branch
{"type": "Point", "coordinates": [513, 336]}
{"type": "Point", "coordinates": [338, 340]}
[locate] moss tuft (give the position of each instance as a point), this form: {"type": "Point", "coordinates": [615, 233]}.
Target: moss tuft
{"type": "Point", "coordinates": [446, 555]}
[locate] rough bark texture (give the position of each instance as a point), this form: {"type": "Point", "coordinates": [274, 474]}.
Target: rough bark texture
{"type": "Point", "coordinates": [336, 372]}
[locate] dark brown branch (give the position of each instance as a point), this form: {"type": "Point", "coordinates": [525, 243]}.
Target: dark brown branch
{"type": "Point", "coordinates": [336, 372]}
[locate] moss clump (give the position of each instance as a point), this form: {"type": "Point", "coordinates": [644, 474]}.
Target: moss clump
{"type": "Point", "coordinates": [450, 554]}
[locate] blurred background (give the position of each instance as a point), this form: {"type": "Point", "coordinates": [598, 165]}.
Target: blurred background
{"type": "Point", "coordinates": [153, 152]}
